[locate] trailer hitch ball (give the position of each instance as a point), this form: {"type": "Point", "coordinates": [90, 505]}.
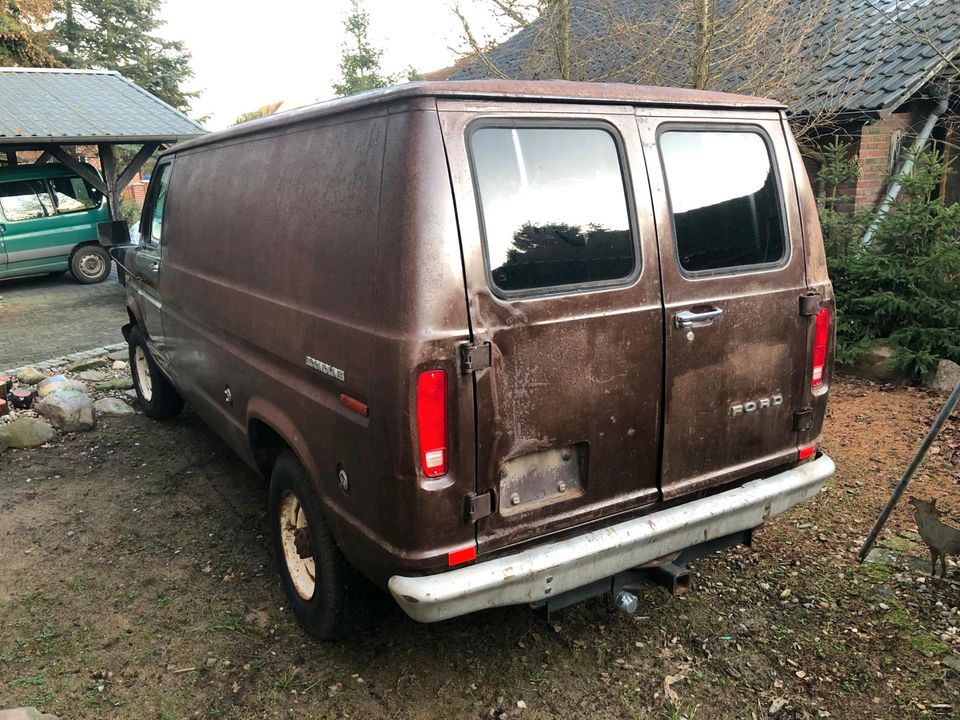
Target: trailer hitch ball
{"type": "Point", "coordinates": [626, 602]}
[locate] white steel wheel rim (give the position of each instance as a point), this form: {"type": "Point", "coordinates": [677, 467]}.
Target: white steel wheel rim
{"type": "Point", "coordinates": [143, 373]}
{"type": "Point", "coordinates": [293, 524]}
{"type": "Point", "coordinates": [91, 265]}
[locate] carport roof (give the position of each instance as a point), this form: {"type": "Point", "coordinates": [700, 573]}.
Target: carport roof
{"type": "Point", "coordinates": [41, 106]}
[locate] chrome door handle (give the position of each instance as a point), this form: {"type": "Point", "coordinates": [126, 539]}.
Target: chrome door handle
{"type": "Point", "coordinates": [690, 318]}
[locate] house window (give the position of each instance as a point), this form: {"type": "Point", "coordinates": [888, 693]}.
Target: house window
{"type": "Point", "coordinates": [724, 198]}
{"type": "Point", "coordinates": [24, 200]}
{"type": "Point", "coordinates": [553, 207]}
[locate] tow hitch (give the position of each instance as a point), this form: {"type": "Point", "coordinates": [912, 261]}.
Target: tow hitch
{"type": "Point", "coordinates": [671, 574]}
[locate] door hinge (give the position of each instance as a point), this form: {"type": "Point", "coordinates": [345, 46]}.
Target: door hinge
{"type": "Point", "coordinates": [475, 357]}
{"type": "Point", "coordinates": [802, 419]}
{"type": "Point", "coordinates": [810, 303]}
{"type": "Point", "coordinates": [478, 506]}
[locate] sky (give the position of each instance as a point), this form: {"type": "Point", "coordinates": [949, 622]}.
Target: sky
{"type": "Point", "coordinates": [248, 54]}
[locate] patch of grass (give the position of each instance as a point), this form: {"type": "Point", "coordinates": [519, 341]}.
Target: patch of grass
{"type": "Point", "coordinates": [878, 572]}
{"type": "Point", "coordinates": [927, 645]}
{"type": "Point", "coordinates": [77, 586]}
{"type": "Point", "coordinates": [30, 680]}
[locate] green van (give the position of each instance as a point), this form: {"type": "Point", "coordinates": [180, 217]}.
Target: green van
{"type": "Point", "coordinates": [48, 223]}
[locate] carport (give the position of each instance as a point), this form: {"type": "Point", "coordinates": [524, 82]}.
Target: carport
{"type": "Point", "coordinates": [50, 110]}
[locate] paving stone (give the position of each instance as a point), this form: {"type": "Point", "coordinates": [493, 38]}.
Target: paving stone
{"type": "Point", "coordinates": [93, 375]}
{"type": "Point", "coordinates": [69, 410]}
{"type": "Point", "coordinates": [123, 354]}
{"type": "Point", "coordinates": [26, 432]}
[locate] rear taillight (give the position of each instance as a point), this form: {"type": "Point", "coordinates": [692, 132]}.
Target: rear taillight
{"type": "Point", "coordinates": [432, 422]}
{"type": "Point", "coordinates": [821, 338]}
{"type": "Point", "coordinates": [807, 451]}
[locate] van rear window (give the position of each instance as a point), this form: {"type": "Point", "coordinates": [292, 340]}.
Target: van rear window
{"type": "Point", "coordinates": [553, 206]}
{"type": "Point", "coordinates": [723, 194]}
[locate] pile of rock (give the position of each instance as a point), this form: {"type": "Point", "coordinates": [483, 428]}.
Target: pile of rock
{"type": "Point", "coordinates": [67, 399]}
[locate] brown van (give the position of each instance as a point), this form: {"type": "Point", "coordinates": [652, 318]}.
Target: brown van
{"type": "Point", "coordinates": [494, 342]}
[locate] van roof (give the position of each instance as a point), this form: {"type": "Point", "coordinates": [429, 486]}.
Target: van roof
{"type": "Point", "coordinates": [38, 172]}
{"type": "Point", "coordinates": [532, 90]}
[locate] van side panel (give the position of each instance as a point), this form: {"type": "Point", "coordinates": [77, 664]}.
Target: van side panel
{"type": "Point", "coordinates": [269, 263]}
{"type": "Point", "coordinates": [423, 319]}
{"type": "Point", "coordinates": [817, 281]}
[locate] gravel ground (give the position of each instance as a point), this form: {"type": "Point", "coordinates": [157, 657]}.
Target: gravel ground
{"type": "Point", "coordinates": [137, 580]}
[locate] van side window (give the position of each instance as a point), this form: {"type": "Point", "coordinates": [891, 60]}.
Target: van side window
{"type": "Point", "coordinates": [161, 179]}
{"type": "Point", "coordinates": [25, 200]}
{"type": "Point", "coordinates": [553, 206]}
{"type": "Point", "coordinates": [724, 198]}
{"type": "Point", "coordinates": [73, 194]}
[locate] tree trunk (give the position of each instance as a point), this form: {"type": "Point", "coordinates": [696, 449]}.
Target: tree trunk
{"type": "Point", "coordinates": [561, 28]}
{"type": "Point", "coordinates": [705, 31]}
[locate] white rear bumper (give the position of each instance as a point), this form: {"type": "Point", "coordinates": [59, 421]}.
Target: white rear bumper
{"type": "Point", "coordinates": [547, 570]}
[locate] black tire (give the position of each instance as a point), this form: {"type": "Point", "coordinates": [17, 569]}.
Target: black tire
{"type": "Point", "coordinates": [160, 400]}
{"type": "Point", "coordinates": [90, 264]}
{"type": "Point", "coordinates": [331, 610]}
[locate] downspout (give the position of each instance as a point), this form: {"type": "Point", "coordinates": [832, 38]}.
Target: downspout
{"type": "Point", "coordinates": [907, 165]}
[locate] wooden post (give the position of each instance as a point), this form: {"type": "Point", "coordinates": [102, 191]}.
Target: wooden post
{"type": "Point", "coordinates": [108, 166]}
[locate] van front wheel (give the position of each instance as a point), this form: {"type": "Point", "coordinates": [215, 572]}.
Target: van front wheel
{"type": "Point", "coordinates": [155, 394]}
{"type": "Point", "coordinates": [317, 579]}
{"type": "Point", "coordinates": [90, 264]}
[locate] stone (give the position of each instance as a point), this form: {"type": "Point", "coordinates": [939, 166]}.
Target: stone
{"type": "Point", "coordinates": [119, 365]}
{"type": "Point", "coordinates": [122, 354]}
{"type": "Point", "coordinates": [874, 364]}
{"type": "Point", "coordinates": [881, 556]}
{"type": "Point", "coordinates": [952, 662]}
{"type": "Point", "coordinates": [59, 383]}
{"type": "Point", "coordinates": [30, 376]}
{"type": "Point", "coordinates": [945, 378]}
{"type": "Point", "coordinates": [25, 713]}
{"type": "Point", "coordinates": [88, 364]}
{"type": "Point", "coordinates": [112, 407]}
{"type": "Point", "coordinates": [92, 375]}
{"type": "Point", "coordinates": [121, 383]}
{"type": "Point", "coordinates": [69, 410]}
{"type": "Point", "coordinates": [26, 432]}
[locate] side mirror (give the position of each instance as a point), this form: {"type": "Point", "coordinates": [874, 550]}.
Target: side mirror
{"type": "Point", "coordinates": [113, 233]}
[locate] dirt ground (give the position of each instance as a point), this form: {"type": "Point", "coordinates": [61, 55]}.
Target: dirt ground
{"type": "Point", "coordinates": [137, 580]}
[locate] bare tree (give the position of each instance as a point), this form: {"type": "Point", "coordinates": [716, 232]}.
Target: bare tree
{"type": "Point", "coordinates": [756, 47]}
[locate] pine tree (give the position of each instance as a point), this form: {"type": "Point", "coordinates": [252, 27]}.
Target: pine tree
{"type": "Point", "coordinates": [120, 35]}
{"type": "Point", "coordinates": [23, 40]}
{"type": "Point", "coordinates": [360, 63]}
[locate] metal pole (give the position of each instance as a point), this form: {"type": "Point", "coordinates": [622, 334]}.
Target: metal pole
{"type": "Point", "coordinates": [908, 475]}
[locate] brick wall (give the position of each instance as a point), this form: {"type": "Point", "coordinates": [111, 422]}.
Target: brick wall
{"type": "Point", "coordinates": [877, 145]}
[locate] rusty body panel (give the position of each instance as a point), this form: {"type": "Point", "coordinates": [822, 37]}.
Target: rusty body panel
{"type": "Point", "coordinates": [313, 264]}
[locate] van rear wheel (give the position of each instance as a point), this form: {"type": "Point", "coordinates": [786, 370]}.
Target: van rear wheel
{"type": "Point", "coordinates": [90, 264]}
{"type": "Point", "coordinates": [155, 394]}
{"type": "Point", "coordinates": [318, 580]}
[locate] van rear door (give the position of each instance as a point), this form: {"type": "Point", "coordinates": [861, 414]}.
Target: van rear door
{"type": "Point", "coordinates": [563, 291]}
{"type": "Point", "coordinates": [732, 263]}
